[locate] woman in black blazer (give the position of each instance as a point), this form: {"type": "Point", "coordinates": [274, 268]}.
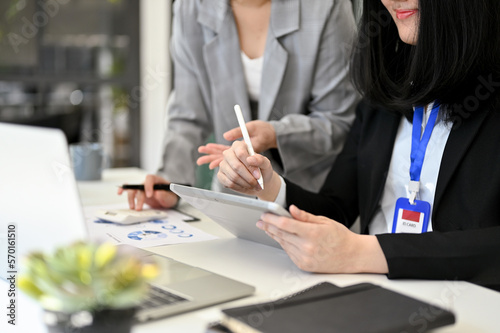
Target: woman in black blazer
{"type": "Point", "coordinates": [411, 57]}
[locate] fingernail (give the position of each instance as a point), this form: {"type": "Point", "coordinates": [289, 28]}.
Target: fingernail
{"type": "Point", "coordinates": [256, 174]}
{"type": "Point", "coordinates": [259, 224]}
{"type": "Point", "coordinates": [149, 194]}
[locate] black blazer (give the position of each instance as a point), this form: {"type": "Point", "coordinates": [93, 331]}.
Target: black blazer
{"type": "Point", "coordinates": [465, 243]}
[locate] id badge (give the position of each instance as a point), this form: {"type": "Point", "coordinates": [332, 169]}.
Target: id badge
{"type": "Point", "coordinates": [409, 218]}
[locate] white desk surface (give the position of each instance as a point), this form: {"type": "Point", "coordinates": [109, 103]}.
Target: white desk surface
{"type": "Point", "coordinates": [274, 275]}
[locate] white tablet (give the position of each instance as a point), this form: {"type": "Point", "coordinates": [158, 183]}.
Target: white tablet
{"type": "Point", "coordinates": [236, 214]}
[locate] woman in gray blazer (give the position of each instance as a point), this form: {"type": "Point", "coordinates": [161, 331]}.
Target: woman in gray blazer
{"type": "Point", "coordinates": [285, 62]}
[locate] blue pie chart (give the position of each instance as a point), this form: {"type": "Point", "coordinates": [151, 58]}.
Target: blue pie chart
{"type": "Point", "coordinates": [146, 235]}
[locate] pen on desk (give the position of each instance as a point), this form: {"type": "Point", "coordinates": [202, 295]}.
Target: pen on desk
{"type": "Point", "coordinates": [163, 187]}
{"type": "Point", "coordinates": [246, 137]}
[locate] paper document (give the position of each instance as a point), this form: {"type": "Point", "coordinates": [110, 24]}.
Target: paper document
{"type": "Point", "coordinates": [171, 230]}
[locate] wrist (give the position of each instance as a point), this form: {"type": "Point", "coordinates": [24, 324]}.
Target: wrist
{"type": "Point", "coordinates": [273, 140]}
{"type": "Point", "coordinates": [368, 256]}
{"type": "Point", "coordinates": [271, 189]}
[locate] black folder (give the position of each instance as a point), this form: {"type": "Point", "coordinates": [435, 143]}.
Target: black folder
{"type": "Point", "coordinates": [328, 308]}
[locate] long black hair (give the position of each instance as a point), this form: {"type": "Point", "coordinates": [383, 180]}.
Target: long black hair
{"type": "Point", "coordinates": [457, 50]}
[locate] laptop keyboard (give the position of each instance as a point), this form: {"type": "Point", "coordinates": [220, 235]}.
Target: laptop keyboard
{"type": "Point", "coordinates": [159, 297]}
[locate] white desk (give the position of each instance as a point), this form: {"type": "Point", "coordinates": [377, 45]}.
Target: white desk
{"type": "Point", "coordinates": [274, 275]}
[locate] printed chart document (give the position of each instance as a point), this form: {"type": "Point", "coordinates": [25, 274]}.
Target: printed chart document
{"type": "Point", "coordinates": [171, 230]}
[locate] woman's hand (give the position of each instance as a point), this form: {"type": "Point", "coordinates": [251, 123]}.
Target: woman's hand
{"type": "Point", "coordinates": [214, 154]}
{"type": "Point", "coordinates": [319, 244]}
{"type": "Point", "coordinates": [155, 199]}
{"type": "Point", "coordinates": [239, 171]}
{"type": "Point", "coordinates": [261, 133]}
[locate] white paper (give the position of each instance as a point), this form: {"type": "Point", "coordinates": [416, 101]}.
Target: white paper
{"type": "Point", "coordinates": [172, 230]}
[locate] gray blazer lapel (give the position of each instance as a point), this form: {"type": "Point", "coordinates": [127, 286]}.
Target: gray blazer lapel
{"type": "Point", "coordinates": [284, 20]}
{"type": "Point", "coordinates": [212, 13]}
{"type": "Point", "coordinates": [222, 58]}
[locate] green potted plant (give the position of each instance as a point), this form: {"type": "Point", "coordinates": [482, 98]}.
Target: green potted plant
{"type": "Point", "coordinates": [87, 287]}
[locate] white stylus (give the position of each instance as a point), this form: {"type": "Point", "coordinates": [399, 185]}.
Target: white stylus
{"type": "Point", "coordinates": [246, 137]}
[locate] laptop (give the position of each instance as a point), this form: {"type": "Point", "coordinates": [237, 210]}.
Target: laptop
{"type": "Point", "coordinates": [235, 213]}
{"type": "Point", "coordinates": [39, 200]}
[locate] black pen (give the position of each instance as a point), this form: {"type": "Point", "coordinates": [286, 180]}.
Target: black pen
{"type": "Point", "coordinates": [162, 187]}
{"type": "Point", "coordinates": [140, 187]}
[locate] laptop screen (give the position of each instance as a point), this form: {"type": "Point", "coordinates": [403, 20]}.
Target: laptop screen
{"type": "Point", "coordinates": [40, 205]}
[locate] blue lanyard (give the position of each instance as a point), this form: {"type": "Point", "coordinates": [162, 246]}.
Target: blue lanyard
{"type": "Point", "coordinates": [419, 145]}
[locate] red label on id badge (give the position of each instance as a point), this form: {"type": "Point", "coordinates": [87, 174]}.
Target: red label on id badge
{"type": "Point", "coordinates": [408, 218]}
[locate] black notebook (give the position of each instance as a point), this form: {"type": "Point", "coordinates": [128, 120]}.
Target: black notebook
{"type": "Point", "coordinates": [327, 308]}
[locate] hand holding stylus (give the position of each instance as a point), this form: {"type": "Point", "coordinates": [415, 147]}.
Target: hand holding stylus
{"type": "Point", "coordinates": [246, 137]}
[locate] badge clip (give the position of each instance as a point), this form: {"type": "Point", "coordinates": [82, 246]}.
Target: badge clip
{"type": "Point", "coordinates": [413, 187]}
